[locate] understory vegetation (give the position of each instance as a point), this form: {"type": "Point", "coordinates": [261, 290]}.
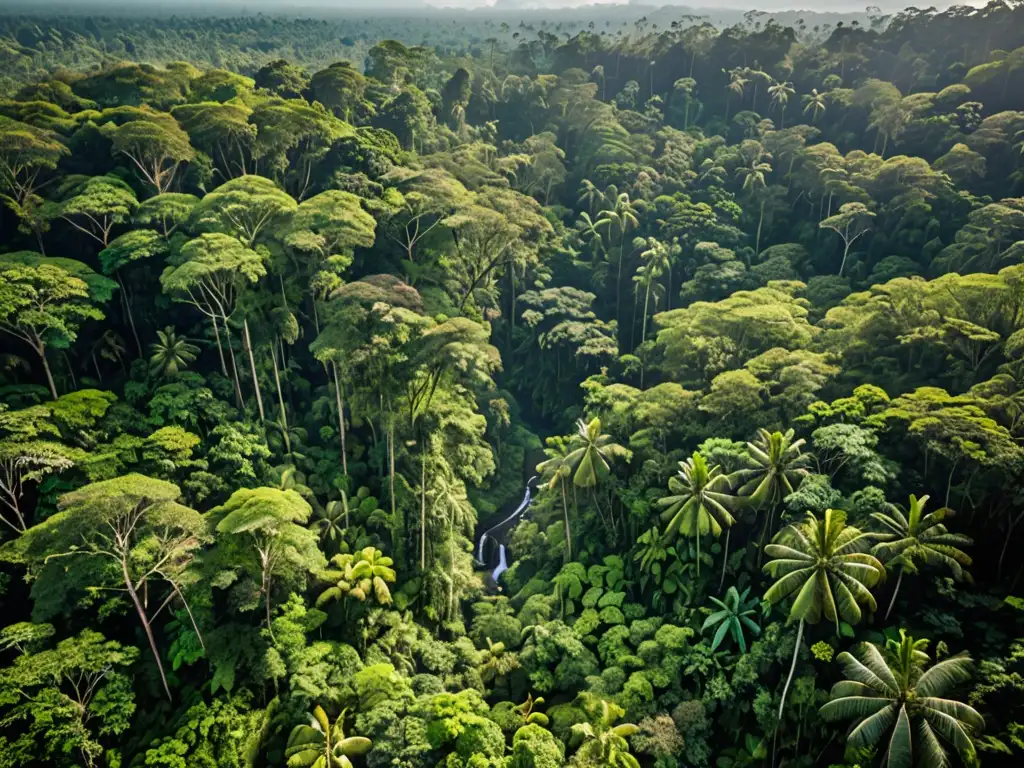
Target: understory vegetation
{"type": "Point", "coordinates": [280, 343]}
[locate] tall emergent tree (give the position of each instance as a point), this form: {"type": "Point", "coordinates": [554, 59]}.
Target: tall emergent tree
{"type": "Point", "coordinates": [44, 301]}
{"type": "Point", "coordinates": [892, 691]}
{"type": "Point", "coordinates": [134, 522]}
{"type": "Point", "coordinates": [824, 564]}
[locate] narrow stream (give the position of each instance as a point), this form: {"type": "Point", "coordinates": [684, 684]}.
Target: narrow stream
{"type": "Point", "coordinates": [504, 525]}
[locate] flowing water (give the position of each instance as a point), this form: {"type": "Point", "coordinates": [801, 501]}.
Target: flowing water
{"type": "Point", "coordinates": [503, 525]}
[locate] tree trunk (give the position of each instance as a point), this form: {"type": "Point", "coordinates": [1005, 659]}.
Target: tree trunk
{"type": "Point", "coordinates": [894, 593]}
{"type": "Point", "coordinates": [41, 350]}
{"type": "Point", "coordinates": [280, 396]}
{"type": "Point", "coordinates": [760, 221]}
{"type": "Point", "coordinates": [423, 508]}
{"type": "Point", "coordinates": [234, 366]}
{"type": "Point", "coordinates": [792, 668]}
{"type": "Point", "coordinates": [145, 625]}
{"type": "Point", "coordinates": [842, 264]}
{"type": "Point", "coordinates": [128, 312]}
{"type": "Point", "coordinates": [568, 531]}
{"type": "Point", "coordinates": [391, 467]}
{"type": "Point", "coordinates": [341, 417]}
{"type": "Point", "coordinates": [252, 367]}
{"type": "Point", "coordinates": [266, 605]}
{"type": "Point", "coordinates": [725, 559]}
{"type": "Point", "coordinates": [647, 300]}
{"type": "Point", "coordinates": [220, 349]}
{"type": "Point", "coordinates": [618, 280]}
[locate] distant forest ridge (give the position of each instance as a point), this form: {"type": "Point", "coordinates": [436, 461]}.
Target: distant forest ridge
{"type": "Point", "coordinates": [40, 36]}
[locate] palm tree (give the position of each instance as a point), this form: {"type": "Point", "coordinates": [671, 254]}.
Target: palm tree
{"type": "Point", "coordinates": [449, 503]}
{"type": "Point", "coordinates": [171, 353]}
{"type": "Point", "coordinates": [889, 691]}
{"type": "Point", "coordinates": [753, 175]}
{"type": "Point", "coordinates": [111, 347]}
{"type": "Point", "coordinates": [814, 103]}
{"type": "Point", "coordinates": [699, 503]}
{"type": "Point", "coordinates": [362, 575]}
{"type": "Point", "coordinates": [590, 233]}
{"type": "Point", "coordinates": [825, 564]}
{"type": "Point", "coordinates": [599, 742]}
{"type": "Point", "coordinates": [321, 745]}
{"type": "Point", "coordinates": [685, 87]}
{"type": "Point", "coordinates": [590, 194]}
{"type": "Point", "coordinates": [779, 467]}
{"type": "Point", "coordinates": [553, 472]}
{"type": "Point", "coordinates": [737, 85]}
{"type": "Point", "coordinates": [734, 614]}
{"type": "Point", "coordinates": [332, 521]}
{"type": "Point", "coordinates": [781, 93]}
{"type": "Point", "coordinates": [591, 456]}
{"type": "Point", "coordinates": [622, 218]}
{"type": "Point", "coordinates": [657, 261]}
{"type": "Point", "coordinates": [915, 537]}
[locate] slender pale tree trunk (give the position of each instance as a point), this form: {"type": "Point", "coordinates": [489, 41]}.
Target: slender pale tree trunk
{"type": "Point", "coordinates": [341, 417]}
{"type": "Point", "coordinates": [264, 557]}
{"type": "Point", "coordinates": [647, 301]}
{"type": "Point", "coordinates": [280, 395]}
{"type": "Point", "coordinates": [146, 626]}
{"type": "Point", "coordinates": [792, 668]}
{"type": "Point", "coordinates": [247, 338]}
{"type": "Point", "coordinates": [423, 508]}
{"type": "Point", "coordinates": [760, 222]}
{"type": "Point", "coordinates": [234, 366]}
{"type": "Point", "coordinates": [842, 264]}
{"type": "Point", "coordinates": [391, 466]}
{"type": "Point", "coordinates": [220, 349]}
{"type": "Point", "coordinates": [565, 516]}
{"type": "Point", "coordinates": [41, 351]}
{"type": "Point", "coordinates": [894, 593]}
{"type": "Point", "coordinates": [725, 558]}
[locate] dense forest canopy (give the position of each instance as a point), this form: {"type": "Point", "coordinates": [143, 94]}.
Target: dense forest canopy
{"type": "Point", "coordinates": [291, 318]}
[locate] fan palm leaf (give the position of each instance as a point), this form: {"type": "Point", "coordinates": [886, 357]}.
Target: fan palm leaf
{"type": "Point", "coordinates": [895, 701]}
{"type": "Point", "coordinates": [824, 565]}
{"type": "Point", "coordinates": [911, 537]}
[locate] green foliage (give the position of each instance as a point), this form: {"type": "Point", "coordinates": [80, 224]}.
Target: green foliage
{"type": "Point", "coordinates": [889, 692]}
{"type": "Point", "coordinates": [733, 619]}
{"type": "Point", "coordinates": [356, 276]}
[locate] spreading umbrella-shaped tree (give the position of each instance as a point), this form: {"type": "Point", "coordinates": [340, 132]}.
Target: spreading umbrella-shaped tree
{"type": "Point", "coordinates": [134, 524]}
{"type": "Point", "coordinates": [897, 703]}
{"type": "Point", "coordinates": [913, 537]}
{"type": "Point", "coordinates": [322, 745]}
{"type": "Point", "coordinates": [700, 502]}
{"type": "Point", "coordinates": [263, 537]}
{"type": "Point", "coordinates": [825, 566]}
